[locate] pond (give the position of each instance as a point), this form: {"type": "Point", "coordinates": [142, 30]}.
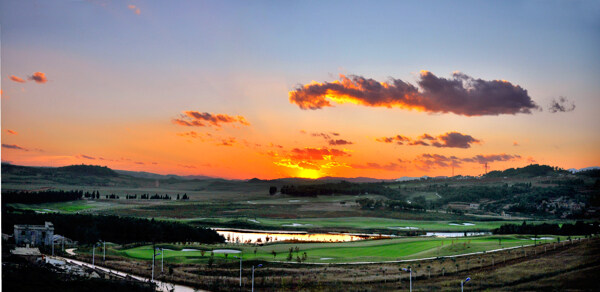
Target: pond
{"type": "Point", "coordinates": [456, 234]}
{"type": "Point", "coordinates": [254, 236]}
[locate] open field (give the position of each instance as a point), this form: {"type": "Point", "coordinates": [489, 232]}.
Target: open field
{"type": "Point", "coordinates": [346, 252]}
{"type": "Point", "coordinates": [545, 267]}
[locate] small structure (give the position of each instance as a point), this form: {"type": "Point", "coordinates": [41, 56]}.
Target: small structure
{"type": "Point", "coordinates": [34, 235]}
{"type": "Point", "coordinates": [28, 253]}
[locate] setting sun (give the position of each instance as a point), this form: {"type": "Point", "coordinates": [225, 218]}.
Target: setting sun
{"type": "Point", "coordinates": [309, 173]}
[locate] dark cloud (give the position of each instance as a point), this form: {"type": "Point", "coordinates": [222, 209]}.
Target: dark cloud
{"type": "Point", "coordinates": [198, 119]}
{"type": "Point", "coordinates": [323, 135]}
{"type": "Point", "coordinates": [454, 140]}
{"type": "Point", "coordinates": [16, 79]}
{"type": "Point", "coordinates": [331, 140]}
{"type": "Point", "coordinates": [491, 158]}
{"type": "Point", "coordinates": [337, 142]}
{"type": "Point", "coordinates": [447, 140]}
{"type": "Point", "coordinates": [86, 157]}
{"type": "Point", "coordinates": [38, 77]}
{"type": "Point", "coordinates": [418, 142]}
{"type": "Point", "coordinates": [562, 104]}
{"type": "Point", "coordinates": [428, 161]}
{"type": "Point", "coordinates": [426, 137]}
{"type": "Point", "coordinates": [399, 139]}
{"type": "Point", "coordinates": [460, 94]}
{"type": "Point", "coordinates": [15, 147]}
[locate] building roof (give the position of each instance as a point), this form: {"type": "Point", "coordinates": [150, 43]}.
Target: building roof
{"type": "Point", "coordinates": [47, 225]}
{"type": "Point", "coordinates": [26, 251]}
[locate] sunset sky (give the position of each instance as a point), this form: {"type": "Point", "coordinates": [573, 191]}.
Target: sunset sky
{"type": "Point", "coordinates": [269, 89]}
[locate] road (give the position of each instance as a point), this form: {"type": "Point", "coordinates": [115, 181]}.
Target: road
{"type": "Point", "coordinates": [162, 286]}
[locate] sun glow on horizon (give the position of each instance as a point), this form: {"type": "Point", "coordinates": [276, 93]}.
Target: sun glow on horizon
{"type": "Point", "coordinates": [309, 173]}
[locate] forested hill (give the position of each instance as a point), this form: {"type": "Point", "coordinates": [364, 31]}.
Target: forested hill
{"type": "Point", "coordinates": [89, 170]}
{"type": "Point", "coordinates": [80, 169]}
{"type": "Point", "coordinates": [532, 170]}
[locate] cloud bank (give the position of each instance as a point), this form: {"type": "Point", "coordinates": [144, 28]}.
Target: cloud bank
{"type": "Point", "coordinates": [461, 94]}
{"type": "Point", "coordinates": [447, 140]}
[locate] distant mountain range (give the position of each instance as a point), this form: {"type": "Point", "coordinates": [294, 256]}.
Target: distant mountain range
{"type": "Point", "coordinates": [575, 170]}
{"type": "Point", "coordinates": [532, 170]}
{"type": "Point", "coordinates": [150, 175]}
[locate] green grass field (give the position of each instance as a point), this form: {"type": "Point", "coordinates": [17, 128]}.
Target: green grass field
{"type": "Point", "coordinates": [347, 252]}
{"type": "Point", "coordinates": [65, 207]}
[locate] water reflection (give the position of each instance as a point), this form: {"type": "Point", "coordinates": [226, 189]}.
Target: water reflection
{"type": "Point", "coordinates": [266, 237]}
{"type": "Point", "coordinates": [456, 234]}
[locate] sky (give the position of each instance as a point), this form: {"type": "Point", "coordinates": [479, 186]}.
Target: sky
{"type": "Point", "coordinates": [271, 89]}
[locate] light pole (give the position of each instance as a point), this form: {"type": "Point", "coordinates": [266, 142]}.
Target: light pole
{"type": "Point", "coordinates": [240, 257]}
{"type": "Point", "coordinates": [409, 270]}
{"type": "Point", "coordinates": [162, 259]}
{"type": "Point", "coordinates": [154, 256]}
{"type": "Point", "coordinates": [462, 283]}
{"type": "Point", "coordinates": [253, 275]}
{"type": "Point", "coordinates": [104, 254]}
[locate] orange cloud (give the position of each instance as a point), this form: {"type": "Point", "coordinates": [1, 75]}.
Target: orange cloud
{"type": "Point", "coordinates": [461, 95]}
{"type": "Point", "coordinates": [198, 119]}
{"type": "Point", "coordinates": [135, 9]}
{"type": "Point", "coordinates": [12, 132]}
{"type": "Point", "coordinates": [308, 158]}
{"type": "Point", "coordinates": [16, 79]}
{"type": "Point", "coordinates": [38, 77]}
{"type": "Point", "coordinates": [309, 153]}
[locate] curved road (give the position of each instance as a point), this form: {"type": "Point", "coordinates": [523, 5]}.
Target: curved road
{"type": "Point", "coordinates": [162, 286]}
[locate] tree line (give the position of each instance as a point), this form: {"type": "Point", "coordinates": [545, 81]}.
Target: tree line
{"type": "Point", "coordinates": [47, 196]}
{"type": "Point", "coordinates": [92, 228]}
{"type": "Point", "coordinates": [579, 228]}
{"type": "Point", "coordinates": [343, 187]}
